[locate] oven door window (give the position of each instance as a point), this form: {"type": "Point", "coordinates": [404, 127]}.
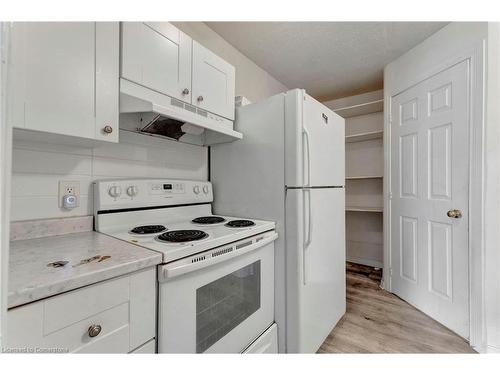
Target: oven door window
{"type": "Point", "coordinates": [225, 303]}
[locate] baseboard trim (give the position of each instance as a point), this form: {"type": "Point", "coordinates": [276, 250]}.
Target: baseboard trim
{"type": "Point", "coordinates": [366, 262]}
{"type": "Point", "coordinates": [492, 349]}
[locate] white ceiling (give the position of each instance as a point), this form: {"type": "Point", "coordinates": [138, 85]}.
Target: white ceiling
{"type": "Point", "coordinates": [328, 59]}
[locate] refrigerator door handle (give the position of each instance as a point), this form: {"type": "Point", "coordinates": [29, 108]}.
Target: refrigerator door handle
{"type": "Point", "coordinates": [307, 239]}
{"type": "Point", "coordinates": [305, 135]}
{"type": "Point", "coordinates": [309, 219]}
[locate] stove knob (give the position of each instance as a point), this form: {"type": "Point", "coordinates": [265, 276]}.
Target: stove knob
{"type": "Point", "coordinates": [196, 189]}
{"type": "Point", "coordinates": [205, 189]}
{"type": "Point", "coordinates": [115, 191]}
{"type": "Point", "coordinates": [132, 191]}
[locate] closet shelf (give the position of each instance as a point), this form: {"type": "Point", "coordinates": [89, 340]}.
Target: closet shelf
{"type": "Point", "coordinates": [363, 177]}
{"type": "Point", "coordinates": [361, 109]}
{"type": "Point", "coordinates": [364, 209]}
{"type": "Point", "coordinates": [364, 136]}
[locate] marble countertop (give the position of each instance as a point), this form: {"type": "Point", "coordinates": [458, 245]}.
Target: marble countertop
{"type": "Point", "coordinates": [30, 279]}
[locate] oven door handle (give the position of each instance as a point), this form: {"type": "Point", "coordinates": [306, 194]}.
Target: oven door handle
{"type": "Point", "coordinates": [186, 265]}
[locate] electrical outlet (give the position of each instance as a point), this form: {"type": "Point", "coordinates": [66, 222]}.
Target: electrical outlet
{"type": "Point", "coordinates": [69, 188]}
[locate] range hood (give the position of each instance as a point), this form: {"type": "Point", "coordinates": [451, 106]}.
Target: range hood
{"type": "Point", "coordinates": [163, 116]}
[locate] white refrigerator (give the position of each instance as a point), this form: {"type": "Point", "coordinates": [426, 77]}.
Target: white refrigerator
{"type": "Point", "coordinates": [290, 168]}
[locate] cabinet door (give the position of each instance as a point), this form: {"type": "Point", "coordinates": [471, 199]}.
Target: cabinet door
{"type": "Point", "coordinates": [157, 55]}
{"type": "Point", "coordinates": [54, 82]}
{"type": "Point", "coordinates": [213, 82]}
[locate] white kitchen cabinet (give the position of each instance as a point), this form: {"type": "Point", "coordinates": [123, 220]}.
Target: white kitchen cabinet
{"type": "Point", "coordinates": [157, 55]}
{"type": "Point", "coordinates": [213, 82]}
{"type": "Point", "coordinates": [114, 316]}
{"type": "Point", "coordinates": [64, 78]}
{"type": "Point", "coordinates": [160, 57]}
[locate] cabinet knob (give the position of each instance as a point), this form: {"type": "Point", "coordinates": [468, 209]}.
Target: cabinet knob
{"type": "Point", "coordinates": [185, 91]}
{"type": "Point", "coordinates": [200, 98]}
{"type": "Point", "coordinates": [107, 129]}
{"type": "Point", "coordinates": [94, 330]}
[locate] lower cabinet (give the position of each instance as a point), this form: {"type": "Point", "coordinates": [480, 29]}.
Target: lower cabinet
{"type": "Point", "coordinates": [114, 316]}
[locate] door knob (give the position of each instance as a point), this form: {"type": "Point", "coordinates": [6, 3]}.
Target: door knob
{"type": "Point", "coordinates": [185, 91]}
{"type": "Point", "coordinates": [107, 129]}
{"type": "Point", "coordinates": [200, 98]}
{"type": "Point", "coordinates": [455, 214]}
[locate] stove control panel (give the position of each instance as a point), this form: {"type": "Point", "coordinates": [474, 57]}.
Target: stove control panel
{"type": "Point", "coordinates": [159, 188]}
{"type": "Point", "coordinates": [123, 194]}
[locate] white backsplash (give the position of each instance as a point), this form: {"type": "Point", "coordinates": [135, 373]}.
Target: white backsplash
{"type": "Point", "coordinates": [38, 167]}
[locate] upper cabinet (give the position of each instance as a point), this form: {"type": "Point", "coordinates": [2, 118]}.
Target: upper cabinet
{"type": "Point", "coordinates": [162, 58]}
{"type": "Point", "coordinates": [157, 55]}
{"type": "Point", "coordinates": [213, 82]}
{"type": "Point", "coordinates": [64, 78]}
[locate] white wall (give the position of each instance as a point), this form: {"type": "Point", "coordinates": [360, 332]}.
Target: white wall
{"type": "Point", "coordinates": [252, 81]}
{"type": "Point", "coordinates": [492, 191]}
{"type": "Point", "coordinates": [5, 157]}
{"type": "Point", "coordinates": [37, 167]}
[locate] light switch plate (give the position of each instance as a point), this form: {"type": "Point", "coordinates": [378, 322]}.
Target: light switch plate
{"type": "Point", "coordinates": [69, 188]}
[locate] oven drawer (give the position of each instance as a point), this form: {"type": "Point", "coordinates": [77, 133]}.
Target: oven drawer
{"type": "Point", "coordinates": [147, 348]}
{"type": "Point", "coordinates": [114, 316]}
{"type": "Point", "coordinates": [267, 343]}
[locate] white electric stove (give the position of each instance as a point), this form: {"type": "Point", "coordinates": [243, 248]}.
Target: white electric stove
{"type": "Point", "coordinates": [216, 286]}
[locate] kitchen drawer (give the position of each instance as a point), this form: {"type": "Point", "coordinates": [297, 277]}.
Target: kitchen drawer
{"type": "Point", "coordinates": [123, 309]}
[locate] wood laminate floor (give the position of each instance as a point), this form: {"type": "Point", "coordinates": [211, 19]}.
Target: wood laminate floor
{"type": "Point", "coordinates": [379, 322]}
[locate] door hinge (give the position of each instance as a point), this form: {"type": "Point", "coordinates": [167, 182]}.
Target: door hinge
{"type": "Point", "coordinates": [390, 195]}
{"type": "Point", "coordinates": [390, 271]}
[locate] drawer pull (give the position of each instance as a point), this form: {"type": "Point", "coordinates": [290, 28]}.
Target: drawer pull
{"type": "Point", "coordinates": [94, 330]}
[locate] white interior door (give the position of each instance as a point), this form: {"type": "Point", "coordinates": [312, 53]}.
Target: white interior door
{"type": "Point", "coordinates": [429, 178]}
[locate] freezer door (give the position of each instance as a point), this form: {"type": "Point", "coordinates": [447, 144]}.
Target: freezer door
{"type": "Point", "coordinates": [315, 142]}
{"type": "Point", "coordinates": [315, 233]}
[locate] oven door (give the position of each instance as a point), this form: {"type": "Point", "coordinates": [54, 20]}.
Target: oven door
{"type": "Point", "coordinates": [220, 306]}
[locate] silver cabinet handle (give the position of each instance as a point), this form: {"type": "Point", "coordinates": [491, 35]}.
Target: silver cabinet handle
{"type": "Point", "coordinates": [94, 330]}
{"type": "Point", "coordinates": [107, 129]}
{"type": "Point", "coordinates": [200, 98]}
{"type": "Point", "coordinates": [185, 92]}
